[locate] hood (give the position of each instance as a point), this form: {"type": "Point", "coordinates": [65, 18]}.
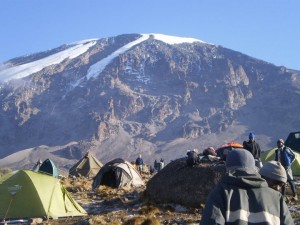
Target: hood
{"type": "Point", "coordinates": [244, 180]}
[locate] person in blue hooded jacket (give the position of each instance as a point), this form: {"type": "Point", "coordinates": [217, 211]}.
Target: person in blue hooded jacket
{"type": "Point", "coordinates": [242, 197]}
{"type": "Point", "coordinates": [286, 157]}
{"type": "Point", "coordinates": [139, 163]}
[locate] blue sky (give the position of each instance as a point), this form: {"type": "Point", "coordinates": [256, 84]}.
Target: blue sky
{"type": "Point", "coordinates": [264, 29]}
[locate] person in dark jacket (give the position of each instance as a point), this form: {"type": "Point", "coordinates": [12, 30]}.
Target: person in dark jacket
{"type": "Point", "coordinates": [286, 157]}
{"type": "Point", "coordinates": [192, 157]}
{"type": "Point", "coordinates": [253, 147]}
{"type": "Point", "coordinates": [242, 197]}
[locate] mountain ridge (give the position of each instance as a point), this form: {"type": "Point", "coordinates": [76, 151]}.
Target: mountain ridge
{"type": "Point", "coordinates": [154, 98]}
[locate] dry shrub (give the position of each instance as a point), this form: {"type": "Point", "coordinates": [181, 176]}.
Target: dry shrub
{"type": "Point", "coordinates": [108, 192]}
{"type": "Point", "coordinates": [78, 184]}
{"type": "Point", "coordinates": [5, 171]}
{"type": "Point", "coordinates": [149, 210]}
{"type": "Point", "coordinates": [140, 220]}
{"type": "Point", "coordinates": [67, 183]}
{"type": "Point", "coordinates": [104, 220]}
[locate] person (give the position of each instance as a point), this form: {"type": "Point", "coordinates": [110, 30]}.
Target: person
{"type": "Point", "coordinates": [253, 147]}
{"type": "Point", "coordinates": [209, 155]}
{"type": "Point", "coordinates": [192, 157]}
{"type": "Point", "coordinates": [139, 163]}
{"type": "Point", "coordinates": [161, 164]}
{"type": "Point", "coordinates": [155, 165]}
{"type": "Point", "coordinates": [242, 197]}
{"type": "Point", "coordinates": [209, 151]}
{"type": "Point", "coordinates": [274, 173]}
{"type": "Point", "coordinates": [286, 157]}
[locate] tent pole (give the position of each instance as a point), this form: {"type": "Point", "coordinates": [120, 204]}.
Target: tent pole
{"type": "Point", "coordinates": [8, 207]}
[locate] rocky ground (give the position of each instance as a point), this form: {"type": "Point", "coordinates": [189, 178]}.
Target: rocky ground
{"type": "Point", "coordinates": [130, 206]}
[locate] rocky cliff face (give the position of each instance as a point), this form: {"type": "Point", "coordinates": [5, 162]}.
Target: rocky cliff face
{"type": "Point", "coordinates": [122, 96]}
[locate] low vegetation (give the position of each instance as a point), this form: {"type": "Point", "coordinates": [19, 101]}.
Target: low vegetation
{"type": "Point", "coordinates": [4, 171]}
{"type": "Point", "coordinates": [130, 206]}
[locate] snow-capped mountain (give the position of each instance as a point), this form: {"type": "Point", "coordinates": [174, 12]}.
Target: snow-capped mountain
{"type": "Point", "coordinates": [153, 94]}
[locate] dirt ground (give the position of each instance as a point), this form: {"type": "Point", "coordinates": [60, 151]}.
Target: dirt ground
{"type": "Point", "coordinates": [129, 206]}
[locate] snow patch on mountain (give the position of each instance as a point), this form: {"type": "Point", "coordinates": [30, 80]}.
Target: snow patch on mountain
{"type": "Point", "coordinates": [78, 48]}
{"type": "Point", "coordinates": [98, 67]}
{"type": "Point", "coordinates": [27, 69]}
{"type": "Point", "coordinates": [174, 40]}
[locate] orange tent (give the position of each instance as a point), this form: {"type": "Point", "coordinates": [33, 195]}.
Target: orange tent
{"type": "Point", "coordinates": [223, 151]}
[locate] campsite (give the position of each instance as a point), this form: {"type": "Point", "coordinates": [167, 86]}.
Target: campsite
{"type": "Point", "coordinates": [160, 198]}
{"type": "Point", "coordinates": [116, 193]}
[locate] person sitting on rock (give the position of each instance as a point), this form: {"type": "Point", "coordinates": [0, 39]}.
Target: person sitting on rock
{"type": "Point", "coordinates": [192, 157]}
{"type": "Point", "coordinates": [209, 154]}
{"type": "Point", "coordinates": [209, 151]}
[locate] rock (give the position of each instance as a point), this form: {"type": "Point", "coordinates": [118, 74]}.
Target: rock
{"type": "Point", "coordinates": [181, 184]}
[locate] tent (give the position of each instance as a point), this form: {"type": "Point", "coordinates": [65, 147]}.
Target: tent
{"type": "Point", "coordinates": [48, 167]}
{"type": "Point", "coordinates": [37, 165]}
{"type": "Point", "coordinates": [293, 141]}
{"type": "Point", "coordinates": [223, 151]}
{"type": "Point", "coordinates": [270, 155]}
{"type": "Point", "coordinates": [30, 194]}
{"type": "Point", "coordinates": [117, 173]}
{"type": "Point", "coordinates": [88, 166]}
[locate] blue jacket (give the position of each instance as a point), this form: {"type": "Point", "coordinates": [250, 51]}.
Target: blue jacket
{"type": "Point", "coordinates": [139, 161]}
{"type": "Point", "coordinates": [287, 156]}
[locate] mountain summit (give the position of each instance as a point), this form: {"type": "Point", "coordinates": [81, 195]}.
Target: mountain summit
{"type": "Point", "coordinates": [152, 94]}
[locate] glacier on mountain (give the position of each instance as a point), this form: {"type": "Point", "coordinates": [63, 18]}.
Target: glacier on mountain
{"type": "Point", "coordinates": [21, 71]}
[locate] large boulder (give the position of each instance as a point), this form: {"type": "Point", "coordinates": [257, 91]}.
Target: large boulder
{"type": "Point", "coordinates": [185, 185]}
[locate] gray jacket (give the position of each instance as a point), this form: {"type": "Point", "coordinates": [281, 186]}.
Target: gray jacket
{"type": "Point", "coordinates": [242, 199]}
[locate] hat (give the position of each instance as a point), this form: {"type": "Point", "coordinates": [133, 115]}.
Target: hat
{"type": "Point", "coordinates": [241, 159]}
{"type": "Point", "coordinates": [274, 170]}
{"type": "Point", "coordinates": [251, 135]}
{"type": "Point", "coordinates": [281, 141]}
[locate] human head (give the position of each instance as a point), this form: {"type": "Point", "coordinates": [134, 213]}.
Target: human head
{"type": "Point", "coordinates": [209, 151]}
{"type": "Point", "coordinates": [274, 173]}
{"type": "Point", "coordinates": [241, 159]}
{"type": "Point", "coordinates": [280, 143]}
{"type": "Point", "coordinates": [251, 136]}
{"type": "Point", "coordinates": [140, 156]}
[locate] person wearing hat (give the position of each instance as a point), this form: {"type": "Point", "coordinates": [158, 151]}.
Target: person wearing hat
{"type": "Point", "coordinates": [243, 197]}
{"type": "Point", "coordinates": [286, 157]}
{"type": "Point", "coordinates": [253, 147]}
{"type": "Point", "coordinates": [274, 173]}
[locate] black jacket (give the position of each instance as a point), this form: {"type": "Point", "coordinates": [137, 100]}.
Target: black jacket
{"type": "Point", "coordinates": [252, 147]}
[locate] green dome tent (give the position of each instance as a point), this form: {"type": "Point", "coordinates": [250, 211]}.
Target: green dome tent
{"type": "Point", "coordinates": [29, 194]}
{"type": "Point", "coordinates": [270, 155]}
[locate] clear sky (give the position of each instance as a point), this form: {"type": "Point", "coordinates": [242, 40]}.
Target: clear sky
{"type": "Point", "coordinates": [264, 29]}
